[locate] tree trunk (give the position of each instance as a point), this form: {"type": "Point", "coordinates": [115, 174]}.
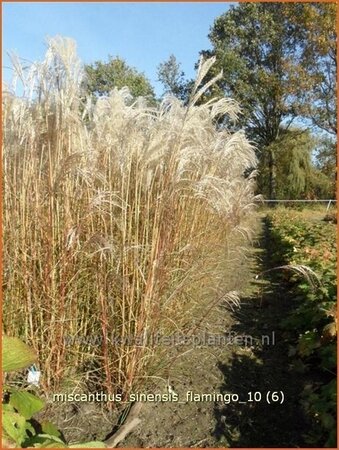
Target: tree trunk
{"type": "Point", "coordinates": [272, 175]}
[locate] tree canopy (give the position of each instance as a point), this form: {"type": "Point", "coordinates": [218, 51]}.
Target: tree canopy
{"type": "Point", "coordinates": [314, 25]}
{"type": "Point", "coordinates": [102, 77]}
{"type": "Point", "coordinates": [278, 64]}
{"type": "Point", "coordinates": [296, 174]}
{"type": "Point", "coordinates": [173, 79]}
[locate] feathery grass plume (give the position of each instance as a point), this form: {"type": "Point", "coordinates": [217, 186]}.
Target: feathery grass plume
{"type": "Point", "coordinates": [117, 219]}
{"type": "Point", "coordinates": [304, 271]}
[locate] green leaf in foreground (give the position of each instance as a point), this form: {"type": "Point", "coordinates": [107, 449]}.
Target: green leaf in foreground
{"type": "Point", "coordinates": [14, 426]}
{"type": "Point", "coordinates": [15, 354]}
{"type": "Point", "coordinates": [45, 441]}
{"type": "Point", "coordinates": [25, 403]}
{"type": "Point", "coordinates": [50, 428]}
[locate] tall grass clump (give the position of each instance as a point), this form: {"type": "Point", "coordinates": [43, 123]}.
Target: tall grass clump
{"type": "Point", "coordinates": [117, 218]}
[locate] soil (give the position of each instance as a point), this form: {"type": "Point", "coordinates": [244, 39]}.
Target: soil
{"type": "Point", "coordinates": [249, 368]}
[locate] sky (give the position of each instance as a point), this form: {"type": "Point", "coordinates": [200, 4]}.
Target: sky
{"type": "Point", "coordinates": [144, 34]}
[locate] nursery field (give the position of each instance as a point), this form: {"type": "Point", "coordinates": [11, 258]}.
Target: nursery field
{"type": "Point", "coordinates": [297, 307]}
{"type": "Point", "coordinates": [148, 289]}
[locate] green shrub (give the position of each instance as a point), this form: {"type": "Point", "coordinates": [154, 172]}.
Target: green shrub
{"type": "Point", "coordinates": [312, 324]}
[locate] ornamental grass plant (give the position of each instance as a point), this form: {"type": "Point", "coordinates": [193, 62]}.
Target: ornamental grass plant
{"type": "Point", "coordinates": [117, 218]}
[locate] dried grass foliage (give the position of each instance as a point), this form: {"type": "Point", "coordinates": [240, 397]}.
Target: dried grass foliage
{"type": "Point", "coordinates": [117, 216]}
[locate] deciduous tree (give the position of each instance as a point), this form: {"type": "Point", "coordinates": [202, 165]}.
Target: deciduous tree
{"type": "Point", "coordinates": [102, 77]}
{"type": "Point", "coordinates": [314, 25]}
{"type": "Point", "coordinates": [173, 79]}
{"type": "Point", "coordinates": [266, 58]}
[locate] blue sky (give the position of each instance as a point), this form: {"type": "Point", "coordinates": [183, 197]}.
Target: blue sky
{"type": "Point", "coordinates": [144, 34]}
